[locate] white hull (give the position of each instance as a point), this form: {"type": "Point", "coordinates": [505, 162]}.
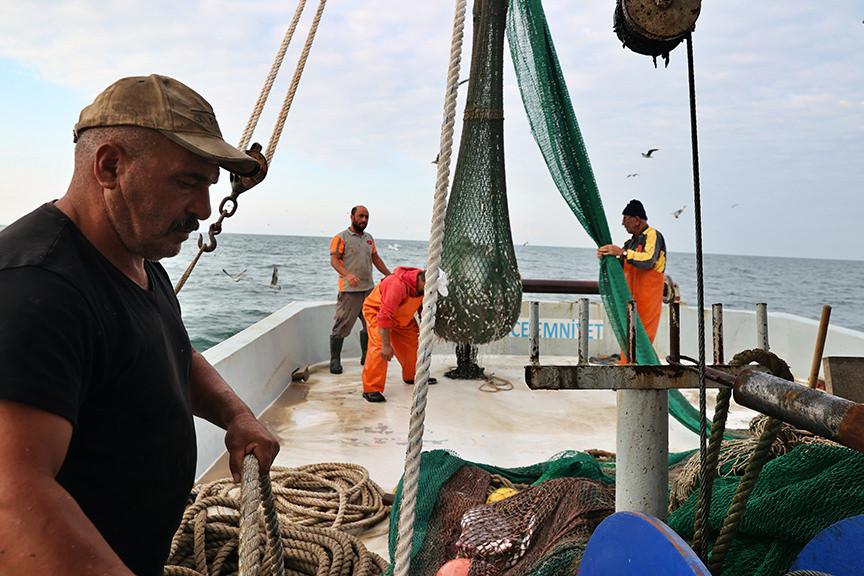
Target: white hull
{"type": "Point", "coordinates": [258, 361]}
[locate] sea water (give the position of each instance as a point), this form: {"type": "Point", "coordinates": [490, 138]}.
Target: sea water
{"type": "Point", "coordinates": [217, 306]}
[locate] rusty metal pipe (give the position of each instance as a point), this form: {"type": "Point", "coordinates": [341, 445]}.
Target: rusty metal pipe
{"type": "Point", "coordinates": [538, 286]}
{"type": "Point", "coordinates": [717, 332]}
{"type": "Point", "coordinates": [824, 414]}
{"type": "Point", "coordinates": [675, 331]}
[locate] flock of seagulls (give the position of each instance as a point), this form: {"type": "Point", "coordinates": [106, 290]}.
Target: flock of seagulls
{"type": "Point", "coordinates": [649, 154]}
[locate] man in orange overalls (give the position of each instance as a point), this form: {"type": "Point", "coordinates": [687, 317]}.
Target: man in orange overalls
{"type": "Point", "coordinates": [389, 312]}
{"type": "Point", "coordinates": [644, 259]}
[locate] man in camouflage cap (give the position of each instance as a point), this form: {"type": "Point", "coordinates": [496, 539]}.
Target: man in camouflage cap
{"type": "Point", "coordinates": [99, 381]}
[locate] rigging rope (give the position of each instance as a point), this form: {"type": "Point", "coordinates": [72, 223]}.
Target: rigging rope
{"type": "Point", "coordinates": [406, 547]}
{"type": "Point", "coordinates": [229, 204]}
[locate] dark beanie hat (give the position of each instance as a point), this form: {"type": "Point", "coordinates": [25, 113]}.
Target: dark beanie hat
{"type": "Point", "coordinates": [635, 208]}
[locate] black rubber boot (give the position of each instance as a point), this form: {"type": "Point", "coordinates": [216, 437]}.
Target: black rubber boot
{"type": "Point", "coordinates": [336, 355]}
{"type": "Point", "coordinates": [364, 344]}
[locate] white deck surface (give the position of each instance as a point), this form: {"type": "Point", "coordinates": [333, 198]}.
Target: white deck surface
{"type": "Point", "coordinates": [327, 420]}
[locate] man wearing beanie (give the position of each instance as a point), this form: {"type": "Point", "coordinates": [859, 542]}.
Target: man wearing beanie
{"type": "Point", "coordinates": [644, 259]}
{"type": "Point", "coordinates": [99, 382]}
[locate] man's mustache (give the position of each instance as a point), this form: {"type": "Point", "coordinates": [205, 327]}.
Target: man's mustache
{"type": "Point", "coordinates": [187, 225]}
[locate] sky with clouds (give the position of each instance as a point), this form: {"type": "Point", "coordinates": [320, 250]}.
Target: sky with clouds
{"type": "Point", "coordinates": [780, 93]}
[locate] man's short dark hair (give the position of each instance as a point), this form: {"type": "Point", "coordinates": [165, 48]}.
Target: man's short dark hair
{"type": "Point", "coordinates": [354, 209]}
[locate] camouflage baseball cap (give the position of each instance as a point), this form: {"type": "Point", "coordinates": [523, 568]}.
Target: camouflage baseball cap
{"type": "Point", "coordinates": [172, 108]}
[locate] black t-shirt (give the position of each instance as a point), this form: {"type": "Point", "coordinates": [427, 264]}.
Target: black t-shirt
{"type": "Point", "coordinates": [81, 340]}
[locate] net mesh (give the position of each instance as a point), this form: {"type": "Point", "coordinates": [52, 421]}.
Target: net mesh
{"type": "Point", "coordinates": [797, 495]}
{"type": "Point", "coordinates": [542, 530]}
{"type": "Point", "coordinates": [553, 123]}
{"type": "Point", "coordinates": [485, 290]}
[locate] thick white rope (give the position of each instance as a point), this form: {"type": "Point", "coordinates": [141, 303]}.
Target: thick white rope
{"type": "Point", "coordinates": [250, 504]}
{"type": "Point", "coordinates": [295, 82]}
{"type": "Point", "coordinates": [410, 478]}
{"type": "Point", "coordinates": [271, 77]}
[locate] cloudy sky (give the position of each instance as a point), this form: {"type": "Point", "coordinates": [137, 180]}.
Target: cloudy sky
{"type": "Point", "coordinates": [780, 91]}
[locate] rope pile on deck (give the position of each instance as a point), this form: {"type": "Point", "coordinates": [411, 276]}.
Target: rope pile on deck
{"type": "Point", "coordinates": [319, 509]}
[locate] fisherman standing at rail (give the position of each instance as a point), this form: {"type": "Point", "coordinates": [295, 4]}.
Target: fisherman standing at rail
{"type": "Point", "coordinates": [99, 381]}
{"type": "Point", "coordinates": [643, 257]}
{"type": "Point", "coordinates": [352, 254]}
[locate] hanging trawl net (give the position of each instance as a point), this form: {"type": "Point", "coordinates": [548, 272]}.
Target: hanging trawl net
{"type": "Point", "coordinates": [485, 290]}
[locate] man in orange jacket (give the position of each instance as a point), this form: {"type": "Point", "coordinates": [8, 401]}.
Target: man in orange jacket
{"type": "Point", "coordinates": [644, 259]}
{"type": "Point", "coordinates": [389, 312]}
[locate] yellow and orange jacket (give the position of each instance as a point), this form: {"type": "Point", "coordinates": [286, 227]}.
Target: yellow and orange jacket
{"type": "Point", "coordinates": [644, 262]}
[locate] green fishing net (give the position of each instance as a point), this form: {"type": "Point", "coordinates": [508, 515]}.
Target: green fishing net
{"type": "Point", "coordinates": [797, 496]}
{"type": "Point", "coordinates": [554, 125]}
{"type": "Point", "coordinates": [485, 290]}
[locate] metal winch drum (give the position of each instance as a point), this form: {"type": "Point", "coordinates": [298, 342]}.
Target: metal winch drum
{"type": "Point", "coordinates": [655, 27]}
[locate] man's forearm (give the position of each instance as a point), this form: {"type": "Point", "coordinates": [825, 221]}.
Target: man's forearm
{"type": "Point", "coordinates": [44, 531]}
{"type": "Point", "coordinates": [338, 265]}
{"type": "Point", "coordinates": [212, 398]}
{"type": "Point", "coordinates": [385, 336]}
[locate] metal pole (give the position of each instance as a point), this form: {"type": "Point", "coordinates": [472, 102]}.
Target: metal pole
{"type": "Point", "coordinates": [675, 331]}
{"type": "Point", "coordinates": [820, 346]}
{"type": "Point", "coordinates": [534, 331]}
{"type": "Point", "coordinates": [642, 452]}
{"type": "Point", "coordinates": [642, 444]}
{"type": "Point", "coordinates": [717, 332]}
{"type": "Point", "coordinates": [762, 326]}
{"type": "Point", "coordinates": [632, 319]}
{"type": "Point", "coordinates": [583, 330]}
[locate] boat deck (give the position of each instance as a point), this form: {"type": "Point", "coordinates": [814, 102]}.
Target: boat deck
{"type": "Point", "coordinates": [327, 420]}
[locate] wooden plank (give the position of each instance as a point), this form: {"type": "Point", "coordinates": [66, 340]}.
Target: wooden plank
{"type": "Point", "coordinates": [844, 377]}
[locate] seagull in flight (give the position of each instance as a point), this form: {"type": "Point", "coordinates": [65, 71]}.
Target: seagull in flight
{"type": "Point", "coordinates": [633, 175]}
{"type": "Point", "coordinates": [235, 277]}
{"type": "Point", "coordinates": [649, 153]}
{"type": "Point", "coordinates": [735, 205]}
{"type": "Point", "coordinates": [678, 212]}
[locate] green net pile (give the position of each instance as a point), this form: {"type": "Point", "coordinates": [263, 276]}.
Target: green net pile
{"type": "Point", "coordinates": [485, 290]}
{"type": "Point", "coordinates": [554, 125]}
{"type": "Point", "coordinates": [798, 494]}
{"type": "Point", "coordinates": [566, 511]}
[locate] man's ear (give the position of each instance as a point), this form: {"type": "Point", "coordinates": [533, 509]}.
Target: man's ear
{"type": "Point", "coordinates": [106, 164]}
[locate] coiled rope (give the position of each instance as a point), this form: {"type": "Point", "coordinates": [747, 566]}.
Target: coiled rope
{"type": "Point", "coordinates": [308, 512]}
{"type": "Point", "coordinates": [411, 477]}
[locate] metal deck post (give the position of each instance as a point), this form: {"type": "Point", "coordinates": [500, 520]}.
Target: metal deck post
{"type": "Point", "coordinates": [534, 331]}
{"type": "Point", "coordinates": [583, 330]}
{"type": "Point", "coordinates": [762, 326]}
{"type": "Point", "coordinates": [642, 443]}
